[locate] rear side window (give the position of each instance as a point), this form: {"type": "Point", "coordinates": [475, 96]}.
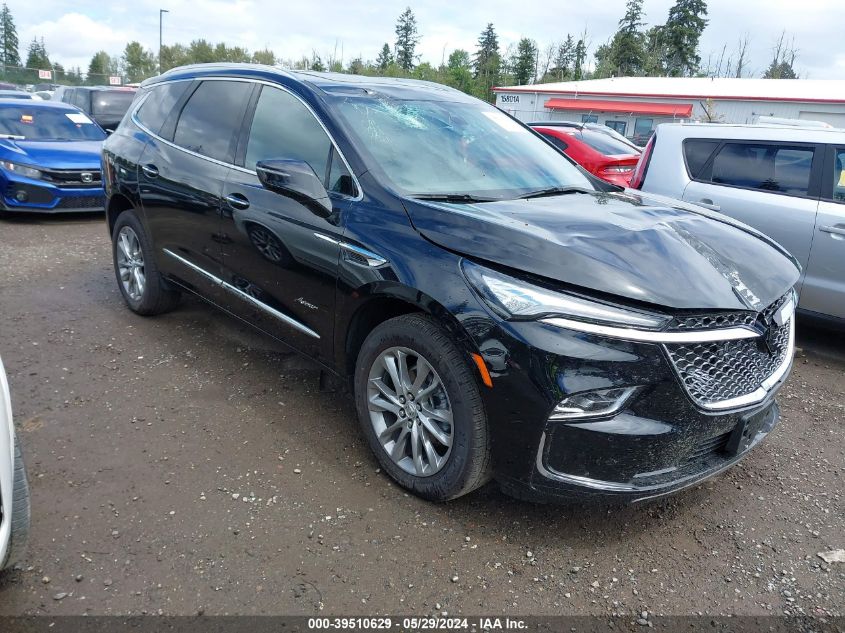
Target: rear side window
{"type": "Point", "coordinates": [554, 140]}
{"type": "Point", "coordinates": [209, 119]}
{"type": "Point", "coordinates": [697, 152]}
{"type": "Point", "coordinates": [157, 106]}
{"type": "Point", "coordinates": [113, 103]}
{"type": "Point", "coordinates": [766, 167]}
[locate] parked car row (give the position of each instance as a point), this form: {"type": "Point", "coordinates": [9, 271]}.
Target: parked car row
{"type": "Point", "coordinates": [496, 311]}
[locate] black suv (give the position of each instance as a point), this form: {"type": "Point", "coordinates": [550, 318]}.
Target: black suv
{"type": "Point", "coordinates": [496, 312]}
{"type": "Point", "coordinates": [106, 105]}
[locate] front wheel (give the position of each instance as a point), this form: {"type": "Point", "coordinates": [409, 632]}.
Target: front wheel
{"type": "Point", "coordinates": [420, 408]}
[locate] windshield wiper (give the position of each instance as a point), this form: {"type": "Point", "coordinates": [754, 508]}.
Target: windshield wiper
{"type": "Point", "coordinates": [553, 191]}
{"type": "Point", "coordinates": [452, 197]}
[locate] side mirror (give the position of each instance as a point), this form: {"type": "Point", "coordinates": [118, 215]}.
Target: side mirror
{"type": "Point", "coordinates": [295, 179]}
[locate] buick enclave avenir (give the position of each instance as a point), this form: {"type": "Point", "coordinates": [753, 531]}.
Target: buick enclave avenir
{"type": "Point", "coordinates": [497, 312]}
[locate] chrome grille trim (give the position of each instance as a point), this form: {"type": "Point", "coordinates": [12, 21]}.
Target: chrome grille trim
{"type": "Point", "coordinates": [739, 389]}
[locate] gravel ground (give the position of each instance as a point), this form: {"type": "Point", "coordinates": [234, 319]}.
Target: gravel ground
{"type": "Point", "coordinates": [182, 464]}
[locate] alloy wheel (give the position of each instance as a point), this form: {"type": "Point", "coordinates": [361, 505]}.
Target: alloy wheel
{"type": "Point", "coordinates": [410, 411]}
{"type": "Point", "coordinates": [130, 263]}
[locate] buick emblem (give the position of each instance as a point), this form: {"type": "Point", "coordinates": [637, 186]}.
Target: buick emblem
{"type": "Point", "coordinates": [87, 176]}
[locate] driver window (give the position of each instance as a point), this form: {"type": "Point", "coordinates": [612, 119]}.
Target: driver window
{"type": "Point", "coordinates": [284, 128]}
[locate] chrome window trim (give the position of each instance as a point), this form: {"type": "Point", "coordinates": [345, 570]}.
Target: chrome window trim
{"type": "Point", "coordinates": [240, 293]}
{"type": "Point", "coordinates": [360, 192]}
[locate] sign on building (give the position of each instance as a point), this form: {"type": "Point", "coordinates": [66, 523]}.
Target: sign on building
{"type": "Point", "coordinates": [114, 81]}
{"type": "Point", "coordinates": [45, 74]}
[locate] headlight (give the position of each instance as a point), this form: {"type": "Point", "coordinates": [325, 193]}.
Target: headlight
{"type": "Point", "coordinates": [21, 170]}
{"type": "Point", "coordinates": [516, 299]}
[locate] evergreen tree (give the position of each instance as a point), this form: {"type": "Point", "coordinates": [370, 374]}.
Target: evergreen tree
{"type": "Point", "coordinates": [317, 63]}
{"type": "Point", "coordinates": [564, 57]}
{"type": "Point", "coordinates": [407, 39]}
{"type": "Point", "coordinates": [384, 59]}
{"type": "Point", "coordinates": [138, 64]}
{"type": "Point", "coordinates": [579, 58]}
{"type": "Point", "coordinates": [523, 62]}
{"type": "Point", "coordinates": [487, 62]}
{"type": "Point", "coordinates": [8, 39]}
{"type": "Point", "coordinates": [37, 57]}
{"type": "Point", "coordinates": [681, 34]}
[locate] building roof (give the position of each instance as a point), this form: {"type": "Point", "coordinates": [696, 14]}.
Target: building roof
{"type": "Point", "coordinates": [804, 90]}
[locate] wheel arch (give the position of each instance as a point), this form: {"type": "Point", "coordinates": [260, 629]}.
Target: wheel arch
{"type": "Point", "coordinates": [118, 203]}
{"type": "Point", "coordinates": [384, 302]}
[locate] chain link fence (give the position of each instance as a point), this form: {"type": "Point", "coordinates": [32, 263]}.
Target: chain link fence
{"type": "Point", "coordinates": [35, 79]}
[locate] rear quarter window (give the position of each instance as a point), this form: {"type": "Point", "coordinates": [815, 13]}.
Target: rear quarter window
{"type": "Point", "coordinates": [696, 154]}
{"type": "Point", "coordinates": [157, 106]}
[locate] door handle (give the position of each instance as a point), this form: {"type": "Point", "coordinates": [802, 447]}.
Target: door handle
{"type": "Point", "coordinates": [237, 201]}
{"type": "Point", "coordinates": [150, 170]}
{"type": "Point", "coordinates": [833, 230]}
{"type": "Point", "coordinates": [707, 203]}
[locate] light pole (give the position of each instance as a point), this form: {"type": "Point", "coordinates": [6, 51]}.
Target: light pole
{"type": "Point", "coordinates": [161, 13]}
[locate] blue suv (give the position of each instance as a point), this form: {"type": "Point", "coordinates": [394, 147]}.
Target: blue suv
{"type": "Point", "coordinates": [49, 158]}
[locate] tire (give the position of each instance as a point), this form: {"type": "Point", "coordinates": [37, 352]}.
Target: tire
{"type": "Point", "coordinates": [451, 471]}
{"type": "Point", "coordinates": [156, 295]}
{"type": "Point", "coordinates": [20, 512]}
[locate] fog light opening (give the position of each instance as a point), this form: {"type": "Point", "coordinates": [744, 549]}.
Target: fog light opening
{"type": "Point", "coordinates": [21, 195]}
{"type": "Point", "coordinates": [596, 403]}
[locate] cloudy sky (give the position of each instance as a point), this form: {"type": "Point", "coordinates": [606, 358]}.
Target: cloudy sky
{"type": "Point", "coordinates": [73, 31]}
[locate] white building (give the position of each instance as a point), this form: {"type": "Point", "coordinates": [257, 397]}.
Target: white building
{"type": "Point", "coordinates": [635, 105]}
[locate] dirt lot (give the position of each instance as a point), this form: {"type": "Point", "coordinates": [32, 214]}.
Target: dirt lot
{"type": "Point", "coordinates": [182, 464]}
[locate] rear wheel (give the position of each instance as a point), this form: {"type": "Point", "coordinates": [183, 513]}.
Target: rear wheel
{"type": "Point", "coordinates": [420, 408]}
{"type": "Point", "coordinates": [144, 289]}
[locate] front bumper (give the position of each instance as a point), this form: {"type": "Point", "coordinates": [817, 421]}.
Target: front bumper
{"type": "Point", "coordinates": [42, 197]}
{"type": "Point", "coordinates": [663, 441]}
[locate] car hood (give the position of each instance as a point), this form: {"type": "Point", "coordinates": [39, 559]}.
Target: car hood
{"type": "Point", "coordinates": [53, 154]}
{"type": "Point", "coordinates": [673, 255]}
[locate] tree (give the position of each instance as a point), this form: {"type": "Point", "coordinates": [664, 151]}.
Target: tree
{"type": "Point", "coordinates": [316, 63]}
{"type": "Point", "coordinates": [783, 58]}
{"type": "Point", "coordinates": [8, 39]}
{"type": "Point", "coordinates": [200, 52]}
{"type": "Point", "coordinates": [681, 34]}
{"type": "Point", "coordinates": [487, 62]}
{"type": "Point", "coordinates": [37, 57]}
{"type": "Point", "coordinates": [564, 56]}
{"type": "Point", "coordinates": [579, 57]}
{"type": "Point", "coordinates": [100, 67]}
{"type": "Point", "coordinates": [459, 70]}
{"type": "Point", "coordinates": [406, 40]}
{"type": "Point", "coordinates": [138, 64]}
{"type": "Point", "coordinates": [173, 56]}
{"type": "Point", "coordinates": [384, 59]}
{"type": "Point", "coordinates": [356, 66]}
{"type": "Point", "coordinates": [523, 62]}
{"type": "Point", "coordinates": [265, 56]}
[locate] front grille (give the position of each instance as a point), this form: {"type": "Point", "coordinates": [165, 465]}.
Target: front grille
{"type": "Point", "coordinates": [82, 202]}
{"type": "Point", "coordinates": [714, 372]}
{"type": "Point", "coordinates": [72, 178]}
